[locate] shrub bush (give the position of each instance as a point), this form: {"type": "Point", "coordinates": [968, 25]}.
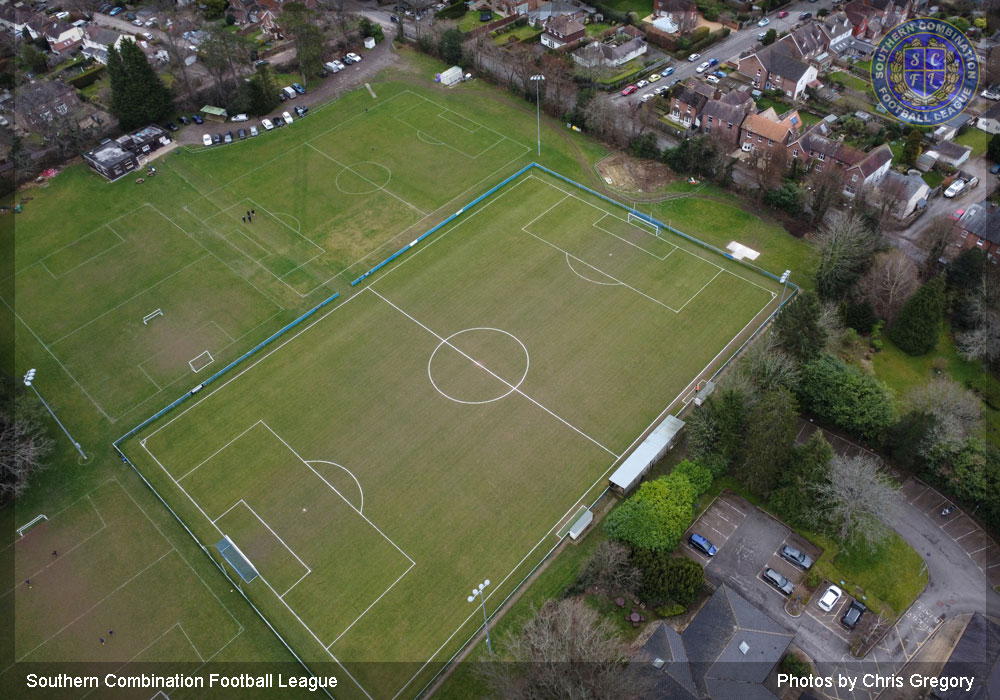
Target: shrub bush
{"type": "Point", "coordinates": [845, 396]}
{"type": "Point", "coordinates": [796, 666]}
{"type": "Point", "coordinates": [915, 331]}
{"type": "Point", "coordinates": [988, 391]}
{"type": "Point", "coordinates": [670, 610]}
{"type": "Point", "coordinates": [699, 476]}
{"type": "Point", "coordinates": [453, 11]}
{"type": "Point", "coordinates": [655, 516]}
{"type": "Point", "coordinates": [668, 578]}
{"type": "Point", "coordinates": [87, 77]}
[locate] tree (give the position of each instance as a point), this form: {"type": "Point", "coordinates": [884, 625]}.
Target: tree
{"type": "Point", "coordinates": [956, 411]}
{"type": "Point", "coordinates": [889, 282]}
{"type": "Point", "coordinates": [299, 21]}
{"type": "Point", "coordinates": [768, 366]}
{"type": "Point", "coordinates": [262, 91]}
{"type": "Point", "coordinates": [919, 321]}
{"type": "Point", "coordinates": [138, 96]}
{"type": "Point", "coordinates": [770, 436]}
{"type": "Point", "coordinates": [668, 578]}
{"type": "Point", "coordinates": [966, 271]}
{"type": "Point", "coordinates": [858, 498]}
{"type": "Point", "coordinates": [798, 327]}
{"type": "Point", "coordinates": [979, 338]}
{"type": "Point", "coordinates": [936, 239]}
{"type": "Point", "coordinates": [655, 516]}
{"type": "Point", "coordinates": [787, 198]}
{"type": "Point", "coordinates": [213, 9]}
{"type": "Point", "coordinates": [610, 569]}
{"type": "Point", "coordinates": [716, 428]}
{"type": "Point", "coordinates": [768, 168]}
{"type": "Point", "coordinates": [843, 395]}
{"type": "Point", "coordinates": [699, 476]}
{"type": "Point", "coordinates": [770, 37]}
{"type": "Point", "coordinates": [808, 467]}
{"type": "Point", "coordinates": [993, 148]}
{"type": "Point", "coordinates": [451, 47]}
{"type": "Point", "coordinates": [846, 247]}
{"type": "Point", "coordinates": [24, 442]}
{"type": "Point", "coordinates": [912, 147]}
{"type": "Point", "coordinates": [34, 60]}
{"type": "Point", "coordinates": [565, 651]}
{"type": "Point", "coordinates": [826, 189]}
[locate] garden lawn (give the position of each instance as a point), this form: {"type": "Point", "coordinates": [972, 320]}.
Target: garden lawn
{"type": "Point", "coordinates": [932, 177]}
{"type": "Point", "coordinates": [976, 139]}
{"type": "Point", "coordinates": [470, 20]}
{"type": "Point", "coordinates": [851, 81]}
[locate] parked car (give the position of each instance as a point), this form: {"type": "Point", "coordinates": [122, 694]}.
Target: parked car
{"type": "Point", "coordinates": [207, 140]}
{"type": "Point", "coordinates": [253, 131]}
{"type": "Point", "coordinates": [995, 169]}
{"type": "Point", "coordinates": [805, 15]}
{"type": "Point", "coordinates": [266, 123]}
{"type": "Point", "coordinates": [761, 35]}
{"type": "Point", "coordinates": [287, 117]}
{"type": "Point", "coordinates": [242, 133]}
{"type": "Point", "coordinates": [713, 62]}
{"type": "Point", "coordinates": [115, 11]}
{"type": "Point", "coordinates": [992, 92]}
{"type": "Point", "coordinates": [654, 77]}
{"type": "Point", "coordinates": [830, 598]}
{"type": "Point", "coordinates": [779, 581]}
{"type": "Point", "coordinates": [764, 21]}
{"type": "Point", "coordinates": [240, 118]}
{"type": "Point", "coordinates": [669, 71]}
{"type": "Point", "coordinates": [171, 126]}
{"type": "Point", "coordinates": [799, 558]}
{"type": "Point", "coordinates": [782, 14]}
{"type": "Point", "coordinates": [354, 58]}
{"type": "Point", "coordinates": [629, 90]}
{"type": "Point", "coordinates": [642, 83]}
{"type": "Point", "coordinates": [301, 111]}
{"type": "Point", "coordinates": [290, 92]}
{"type": "Point", "coordinates": [394, 18]}
{"type": "Point", "coordinates": [229, 137]}
{"type": "Point", "coordinates": [298, 88]}
{"type": "Point", "coordinates": [959, 213]}
{"type": "Point", "coordinates": [648, 96]}
{"type": "Point", "coordinates": [955, 188]}
{"type": "Point", "coordinates": [719, 74]}
{"type": "Point", "coordinates": [151, 22]}
{"type": "Point", "coordinates": [673, 82]}
{"type": "Point", "coordinates": [702, 545]}
{"type": "Point", "coordinates": [147, 36]}
{"type": "Point", "coordinates": [278, 121]}
{"type": "Point", "coordinates": [853, 614]}
{"type": "Point", "coordinates": [197, 119]}
{"type": "Point", "coordinates": [323, 73]}
{"type": "Point", "coordinates": [216, 138]}
{"type": "Point", "coordinates": [660, 90]}
{"type": "Point", "coordinates": [694, 57]}
{"type": "Point", "coordinates": [282, 96]}
{"type": "Point", "coordinates": [702, 67]}
{"type": "Point", "coordinates": [183, 120]}
{"type": "Point", "coordinates": [104, 8]}
{"type": "Point", "coordinates": [713, 79]}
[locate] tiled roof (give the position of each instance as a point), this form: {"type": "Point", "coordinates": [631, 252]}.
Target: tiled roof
{"type": "Point", "coordinates": [875, 159]}
{"type": "Point", "coordinates": [777, 59]}
{"type": "Point", "coordinates": [951, 150]}
{"type": "Point", "coordinates": [563, 25]}
{"type": "Point", "coordinates": [992, 113]}
{"type": "Point", "coordinates": [769, 126]}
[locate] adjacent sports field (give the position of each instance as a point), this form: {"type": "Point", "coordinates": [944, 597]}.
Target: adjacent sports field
{"type": "Point", "coordinates": [436, 427]}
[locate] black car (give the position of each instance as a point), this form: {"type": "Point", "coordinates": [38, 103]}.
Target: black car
{"type": "Point", "coordinates": [800, 559]}
{"type": "Point", "coordinates": [196, 119]}
{"type": "Point", "coordinates": [216, 138]}
{"type": "Point", "coordinates": [323, 73]}
{"type": "Point", "coordinates": [282, 97]}
{"type": "Point", "coordinates": [105, 8]}
{"type": "Point", "coordinates": [301, 111]}
{"type": "Point", "coordinates": [853, 615]}
{"type": "Point", "coordinates": [184, 120]}
{"type": "Point", "coordinates": [242, 133]}
{"type": "Point", "coordinates": [805, 15]}
{"type": "Point", "coordinates": [278, 121]}
{"type": "Point", "coordinates": [779, 581]}
{"type": "Point", "coordinates": [171, 126]}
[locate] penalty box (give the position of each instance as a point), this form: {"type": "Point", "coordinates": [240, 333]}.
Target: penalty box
{"type": "Point", "coordinates": [310, 545]}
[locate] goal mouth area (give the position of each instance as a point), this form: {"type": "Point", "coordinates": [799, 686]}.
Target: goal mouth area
{"type": "Point", "coordinates": [236, 559]}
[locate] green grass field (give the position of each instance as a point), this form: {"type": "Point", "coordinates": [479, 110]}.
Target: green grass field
{"type": "Point", "coordinates": [451, 391]}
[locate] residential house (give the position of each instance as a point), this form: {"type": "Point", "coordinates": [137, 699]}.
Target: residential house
{"type": "Point", "coordinates": [817, 149]}
{"type": "Point", "coordinates": [546, 11]}
{"type": "Point", "coordinates": [722, 118]}
{"type": "Point", "coordinates": [950, 153]}
{"type": "Point", "coordinates": [562, 30]}
{"type": "Point", "coordinates": [768, 132]}
{"type": "Point", "coordinates": [727, 651]}
{"type": "Point", "coordinates": [687, 103]}
{"type": "Point", "coordinates": [776, 68]}
{"type": "Point", "coordinates": [264, 13]}
{"type": "Point", "coordinates": [809, 43]}
{"type": "Point", "coordinates": [96, 41]}
{"type": "Point", "coordinates": [838, 29]}
{"type": "Point", "coordinates": [609, 55]}
{"type": "Point", "coordinates": [515, 7]}
{"type": "Point", "coordinates": [989, 121]}
{"type": "Point", "coordinates": [869, 171]}
{"type": "Point", "coordinates": [978, 648]}
{"type": "Point", "coordinates": [62, 37]}
{"type": "Point", "coordinates": [980, 228]}
{"type": "Point", "coordinates": [681, 14]}
{"type": "Point", "coordinates": [872, 18]}
{"type": "Point", "coordinates": [39, 104]}
{"type": "Point", "coordinates": [909, 191]}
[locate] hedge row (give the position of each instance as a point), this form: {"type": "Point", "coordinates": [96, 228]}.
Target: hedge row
{"type": "Point", "coordinates": [453, 11]}
{"type": "Point", "coordinates": [88, 77]}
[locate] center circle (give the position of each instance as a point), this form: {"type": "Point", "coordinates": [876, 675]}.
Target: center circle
{"type": "Point", "coordinates": [363, 177]}
{"type": "Point", "coordinates": [478, 365]}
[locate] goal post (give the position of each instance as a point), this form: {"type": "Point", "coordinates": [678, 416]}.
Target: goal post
{"type": "Point", "coordinates": [643, 222]}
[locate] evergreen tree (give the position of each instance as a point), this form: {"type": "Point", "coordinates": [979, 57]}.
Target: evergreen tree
{"type": "Point", "coordinates": [798, 326]}
{"type": "Point", "coordinates": [770, 437]}
{"type": "Point", "coordinates": [138, 96]}
{"type": "Point", "coordinates": [916, 329]}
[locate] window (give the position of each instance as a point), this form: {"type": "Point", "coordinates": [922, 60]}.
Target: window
{"type": "Point", "coordinates": [760, 139]}
{"type": "Point", "coordinates": [770, 142]}
{"type": "Point", "coordinates": [795, 153]}
{"type": "Point", "coordinates": [854, 178]}
{"type": "Point", "coordinates": [965, 234]}
{"type": "Point", "coordinates": [822, 156]}
{"type": "Point", "coordinates": [61, 108]}
{"type": "Point", "coordinates": [980, 243]}
{"type": "Point", "coordinates": [730, 126]}
{"type": "Point", "coordinates": [849, 190]}
{"type": "Point", "coordinates": [709, 119]}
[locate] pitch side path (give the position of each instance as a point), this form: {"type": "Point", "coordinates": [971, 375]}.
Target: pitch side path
{"type": "Point", "coordinates": [435, 427]}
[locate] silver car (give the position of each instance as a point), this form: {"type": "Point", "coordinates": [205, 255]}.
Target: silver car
{"type": "Point", "coordinates": [800, 559]}
{"type": "Point", "coordinates": [779, 581]}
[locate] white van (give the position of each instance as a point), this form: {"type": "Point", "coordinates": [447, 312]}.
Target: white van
{"type": "Point", "coordinates": [240, 118]}
{"type": "Point", "coordinates": [289, 93]}
{"type": "Point", "coordinates": [955, 189]}
{"type": "Point", "coordinates": [334, 66]}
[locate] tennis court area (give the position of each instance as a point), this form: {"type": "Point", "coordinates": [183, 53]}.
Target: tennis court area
{"type": "Point", "coordinates": [435, 428]}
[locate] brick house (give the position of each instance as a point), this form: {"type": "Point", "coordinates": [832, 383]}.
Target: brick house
{"type": "Point", "coordinates": [562, 30]}
{"type": "Point", "coordinates": [515, 7]}
{"type": "Point", "coordinates": [96, 41]}
{"type": "Point", "coordinates": [909, 191]}
{"type": "Point", "coordinates": [682, 13]}
{"type": "Point", "coordinates": [810, 44]}
{"type": "Point", "coordinates": [38, 105]}
{"type": "Point", "coordinates": [723, 117]}
{"type": "Point", "coordinates": [870, 171]}
{"type": "Point", "coordinates": [776, 68]}
{"type": "Point", "coordinates": [872, 18]}
{"type": "Point", "coordinates": [62, 37]}
{"type": "Point", "coordinates": [980, 228]}
{"type": "Point", "coordinates": [609, 55]}
{"type": "Point", "coordinates": [989, 121]}
{"type": "Point", "coordinates": [768, 132]}
{"type": "Point", "coordinates": [687, 103]}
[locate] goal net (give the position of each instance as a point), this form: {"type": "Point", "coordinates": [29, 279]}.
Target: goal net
{"type": "Point", "coordinates": [643, 223]}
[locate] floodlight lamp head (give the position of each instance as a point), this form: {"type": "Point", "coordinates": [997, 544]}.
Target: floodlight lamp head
{"type": "Point", "coordinates": [537, 77]}
{"type": "Point", "coordinates": [487, 582]}
{"type": "Point", "coordinates": [29, 377]}
{"type": "Point", "coordinates": [784, 276]}
{"type": "Point", "coordinates": [472, 598]}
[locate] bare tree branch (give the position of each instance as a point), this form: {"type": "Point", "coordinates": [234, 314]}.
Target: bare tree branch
{"type": "Point", "coordinates": [858, 499]}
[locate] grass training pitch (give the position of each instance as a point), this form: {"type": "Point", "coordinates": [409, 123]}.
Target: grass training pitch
{"type": "Point", "coordinates": [436, 427]}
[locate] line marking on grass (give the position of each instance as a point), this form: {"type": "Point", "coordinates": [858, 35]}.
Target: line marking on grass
{"type": "Point", "coordinates": [360, 490]}
{"type": "Point", "coordinates": [597, 225]}
{"type": "Point", "coordinates": [498, 377]}
{"type": "Point", "coordinates": [372, 183]}
{"type": "Point", "coordinates": [276, 536]}
{"type": "Point", "coordinates": [184, 632]}
{"type": "Point", "coordinates": [569, 264]}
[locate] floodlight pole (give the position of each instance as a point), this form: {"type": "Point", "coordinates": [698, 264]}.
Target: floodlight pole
{"type": "Point", "coordinates": [478, 592]}
{"type": "Point", "coordinates": [29, 379]}
{"type": "Point", "coordinates": [536, 79]}
{"type": "Point", "coordinates": [784, 282]}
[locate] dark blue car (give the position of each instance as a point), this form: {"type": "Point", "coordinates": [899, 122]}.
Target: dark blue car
{"type": "Point", "coordinates": [702, 545]}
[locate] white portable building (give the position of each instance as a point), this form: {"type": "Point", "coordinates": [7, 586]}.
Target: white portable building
{"type": "Point", "coordinates": [451, 76]}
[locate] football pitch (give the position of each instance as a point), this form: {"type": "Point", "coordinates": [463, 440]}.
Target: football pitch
{"type": "Point", "coordinates": [438, 425]}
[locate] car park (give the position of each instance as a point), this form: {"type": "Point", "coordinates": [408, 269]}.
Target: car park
{"type": "Point", "coordinates": [229, 137]}
{"type": "Point", "coordinates": [778, 581]}
{"type": "Point", "coordinates": [354, 58]}
{"type": "Point", "coordinates": [853, 614]}
{"type": "Point", "coordinates": [629, 90]}
{"type": "Point", "coordinates": [702, 67]}
{"type": "Point", "coordinates": [287, 117]}
{"type": "Point", "coordinates": [713, 79]}
{"type": "Point", "coordinates": [764, 21]}
{"type": "Point", "coordinates": [184, 120]}
{"type": "Point", "coordinates": [196, 119]}
{"type": "Point", "coordinates": [797, 557]}
{"type": "Point", "coordinates": [694, 57]}
{"type": "Point", "coordinates": [216, 138]}
{"type": "Point", "coordinates": [702, 544]}
{"type": "Point", "coordinates": [654, 77]}
{"type": "Point", "coordinates": [242, 133]}
{"type": "Point", "coordinates": [279, 122]}
{"type": "Point", "coordinates": [829, 599]}
{"type": "Point", "coordinates": [266, 123]}
{"type": "Point", "coordinates": [253, 130]}
{"type": "Point", "coordinates": [207, 140]}
{"type": "Point", "coordinates": [298, 88]}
